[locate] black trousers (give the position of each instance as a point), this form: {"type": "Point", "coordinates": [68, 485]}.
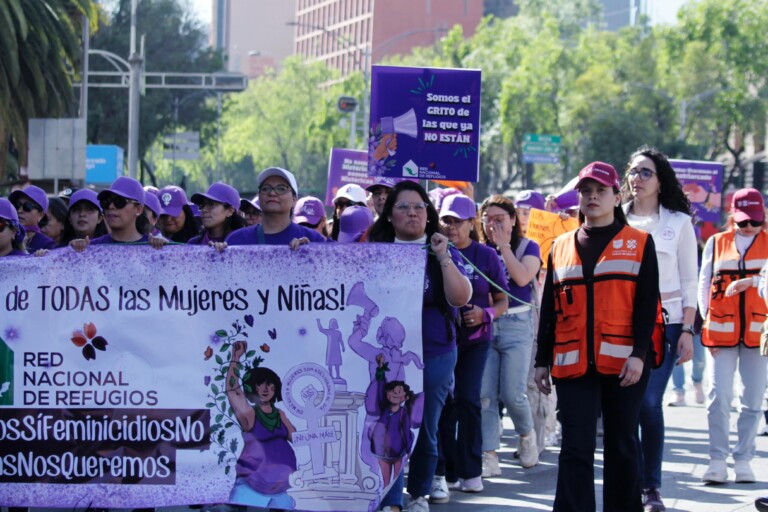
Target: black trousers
{"type": "Point", "coordinates": [579, 402]}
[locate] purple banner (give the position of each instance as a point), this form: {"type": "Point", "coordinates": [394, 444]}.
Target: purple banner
{"type": "Point", "coordinates": [425, 123]}
{"type": "Point", "coordinates": [703, 184]}
{"type": "Point", "coordinates": [346, 166]}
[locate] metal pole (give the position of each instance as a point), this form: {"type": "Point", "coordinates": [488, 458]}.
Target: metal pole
{"type": "Point", "coordinates": [218, 135]}
{"type": "Point", "coordinates": [352, 128]}
{"type": "Point", "coordinates": [175, 129]}
{"type": "Point", "coordinates": [133, 103]}
{"type": "Point", "coordinates": [365, 110]}
{"type": "Point", "coordinates": [84, 84]}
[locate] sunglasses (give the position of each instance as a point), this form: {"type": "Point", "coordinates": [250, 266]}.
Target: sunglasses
{"type": "Point", "coordinates": [448, 222]}
{"type": "Point", "coordinates": [343, 203]}
{"type": "Point", "coordinates": [645, 174]}
{"type": "Point", "coordinates": [27, 206]}
{"type": "Point", "coordinates": [3, 225]}
{"type": "Point", "coordinates": [753, 223]}
{"type": "Point", "coordinates": [119, 202]}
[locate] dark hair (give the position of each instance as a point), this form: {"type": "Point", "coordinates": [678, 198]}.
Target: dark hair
{"type": "Point", "coordinates": [69, 231]}
{"type": "Point", "coordinates": [58, 209]}
{"type": "Point", "coordinates": [671, 195]}
{"type": "Point", "coordinates": [313, 227]}
{"type": "Point", "coordinates": [508, 206]}
{"type": "Point", "coordinates": [231, 223]}
{"type": "Point", "coordinates": [382, 230]}
{"type": "Point", "coordinates": [410, 397]}
{"type": "Point", "coordinates": [618, 212]}
{"type": "Point", "coordinates": [143, 226]}
{"type": "Point", "coordinates": [189, 229]}
{"type": "Point", "coordinates": [261, 375]}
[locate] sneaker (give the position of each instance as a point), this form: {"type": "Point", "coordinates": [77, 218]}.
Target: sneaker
{"type": "Point", "coordinates": [717, 472]}
{"type": "Point", "coordinates": [471, 484]}
{"type": "Point", "coordinates": [453, 486]}
{"type": "Point", "coordinates": [529, 452]}
{"type": "Point", "coordinates": [490, 465]}
{"type": "Point", "coordinates": [761, 504]}
{"type": "Point", "coordinates": [439, 492]}
{"type": "Point", "coordinates": [652, 501]}
{"type": "Point", "coordinates": [418, 504]}
{"type": "Point", "coordinates": [679, 400]}
{"type": "Point", "coordinates": [699, 389]}
{"type": "Point", "coordinates": [744, 473]}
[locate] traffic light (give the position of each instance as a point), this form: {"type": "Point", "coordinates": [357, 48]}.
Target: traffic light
{"type": "Point", "coordinates": [347, 104]}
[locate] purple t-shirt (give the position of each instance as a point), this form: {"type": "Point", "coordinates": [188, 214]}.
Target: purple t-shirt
{"type": "Point", "coordinates": [521, 292]}
{"type": "Point", "coordinates": [107, 239]}
{"type": "Point", "coordinates": [489, 263]}
{"type": "Point", "coordinates": [437, 322]}
{"type": "Point", "coordinates": [40, 241]}
{"type": "Point", "coordinates": [250, 236]}
{"type": "Point", "coordinates": [17, 252]}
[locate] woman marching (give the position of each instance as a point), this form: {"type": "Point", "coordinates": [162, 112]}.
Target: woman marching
{"type": "Point", "coordinates": [598, 315]}
{"type": "Point", "coordinates": [409, 217]}
{"type": "Point", "coordinates": [733, 315]}
{"type": "Point", "coordinates": [658, 206]}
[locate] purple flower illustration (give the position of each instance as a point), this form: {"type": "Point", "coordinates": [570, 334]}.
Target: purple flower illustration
{"type": "Point", "coordinates": [12, 334]}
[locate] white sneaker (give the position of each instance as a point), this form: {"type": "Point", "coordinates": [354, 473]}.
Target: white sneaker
{"type": "Point", "coordinates": [439, 492]}
{"type": "Point", "coordinates": [471, 484]}
{"type": "Point", "coordinates": [744, 473]}
{"type": "Point", "coordinates": [418, 504]}
{"type": "Point", "coordinates": [490, 465]}
{"type": "Point", "coordinates": [717, 472]}
{"type": "Point", "coordinates": [529, 452]}
{"type": "Point", "coordinates": [679, 400]}
{"type": "Point", "coordinates": [699, 389]}
{"type": "Point", "coordinates": [454, 486]}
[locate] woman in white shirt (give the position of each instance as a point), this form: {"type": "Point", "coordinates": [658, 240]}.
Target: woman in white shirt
{"type": "Point", "coordinates": [658, 205]}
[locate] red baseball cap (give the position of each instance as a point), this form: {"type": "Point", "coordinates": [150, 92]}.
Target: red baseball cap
{"type": "Point", "coordinates": [748, 205]}
{"type": "Point", "coordinates": [600, 172]}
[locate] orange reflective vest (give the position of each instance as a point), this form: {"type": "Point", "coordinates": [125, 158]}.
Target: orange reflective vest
{"type": "Point", "coordinates": [601, 305]}
{"type": "Point", "coordinates": [736, 319]}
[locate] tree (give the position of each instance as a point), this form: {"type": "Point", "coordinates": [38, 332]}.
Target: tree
{"type": "Point", "coordinates": [39, 45]}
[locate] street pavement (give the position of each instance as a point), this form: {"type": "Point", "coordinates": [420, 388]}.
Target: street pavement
{"type": "Point", "coordinates": [685, 461]}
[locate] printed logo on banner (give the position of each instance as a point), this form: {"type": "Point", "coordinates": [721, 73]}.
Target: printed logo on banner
{"type": "Point", "coordinates": [410, 169]}
{"type": "Point", "coordinates": [6, 367]}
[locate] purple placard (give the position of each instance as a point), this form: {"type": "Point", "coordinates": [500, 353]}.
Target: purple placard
{"type": "Point", "coordinates": [425, 123]}
{"type": "Point", "coordinates": [346, 166]}
{"type": "Point", "coordinates": [703, 184]}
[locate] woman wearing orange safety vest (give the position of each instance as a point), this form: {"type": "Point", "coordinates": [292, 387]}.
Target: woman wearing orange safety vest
{"type": "Point", "coordinates": [734, 313]}
{"type": "Point", "coordinates": [598, 315]}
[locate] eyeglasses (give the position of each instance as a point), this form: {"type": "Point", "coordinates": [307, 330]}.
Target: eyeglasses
{"type": "Point", "coordinates": [449, 222]}
{"type": "Point", "coordinates": [495, 218]}
{"type": "Point", "coordinates": [280, 190]}
{"type": "Point", "coordinates": [753, 223]}
{"type": "Point", "coordinates": [343, 203]}
{"type": "Point", "coordinates": [27, 206]}
{"type": "Point", "coordinates": [644, 173]}
{"type": "Point", "coordinates": [3, 225]}
{"type": "Point", "coordinates": [404, 207]}
{"type": "Point", "coordinates": [119, 202]}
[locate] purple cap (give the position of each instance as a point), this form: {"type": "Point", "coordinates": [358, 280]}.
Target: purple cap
{"type": "Point", "coordinates": [220, 192]}
{"type": "Point", "coordinates": [459, 206]}
{"type": "Point", "coordinates": [568, 200]}
{"type": "Point", "coordinates": [278, 171]}
{"type": "Point", "coordinates": [601, 172]}
{"type": "Point", "coordinates": [34, 193]}
{"type": "Point", "coordinates": [353, 221]}
{"type": "Point", "coordinates": [195, 209]}
{"type": "Point", "coordinates": [309, 210]}
{"type": "Point", "coordinates": [254, 203]}
{"type": "Point", "coordinates": [748, 205]}
{"type": "Point", "coordinates": [383, 181]}
{"type": "Point", "coordinates": [126, 187]}
{"type": "Point", "coordinates": [352, 192]}
{"type": "Point", "coordinates": [438, 195]}
{"type": "Point", "coordinates": [149, 189]}
{"type": "Point", "coordinates": [7, 211]}
{"type": "Point", "coordinates": [152, 202]}
{"type": "Point", "coordinates": [530, 199]}
{"type": "Point", "coordinates": [87, 195]}
{"type": "Point", "coordinates": [172, 200]}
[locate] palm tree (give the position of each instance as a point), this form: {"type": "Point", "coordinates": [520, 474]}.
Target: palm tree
{"type": "Point", "coordinates": [39, 48]}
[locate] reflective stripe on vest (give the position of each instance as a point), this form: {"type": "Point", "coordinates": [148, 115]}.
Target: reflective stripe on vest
{"type": "Point", "coordinates": [739, 318]}
{"type": "Point", "coordinates": [612, 303]}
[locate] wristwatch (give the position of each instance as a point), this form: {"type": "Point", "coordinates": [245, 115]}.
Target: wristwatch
{"type": "Point", "coordinates": [688, 328]}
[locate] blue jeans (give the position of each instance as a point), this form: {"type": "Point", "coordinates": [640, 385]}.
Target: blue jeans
{"type": "Point", "coordinates": [651, 431]}
{"type": "Point", "coordinates": [697, 371]}
{"type": "Point", "coordinates": [461, 450]}
{"type": "Point", "coordinates": [394, 498]}
{"type": "Point", "coordinates": [506, 377]}
{"type": "Point", "coordinates": [438, 376]}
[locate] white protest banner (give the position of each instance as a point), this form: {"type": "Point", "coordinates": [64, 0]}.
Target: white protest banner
{"type": "Point", "coordinates": [140, 378]}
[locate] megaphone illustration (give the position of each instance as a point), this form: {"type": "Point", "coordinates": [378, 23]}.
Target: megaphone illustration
{"type": "Point", "coordinates": [406, 124]}
{"type": "Point", "coordinates": [358, 297]}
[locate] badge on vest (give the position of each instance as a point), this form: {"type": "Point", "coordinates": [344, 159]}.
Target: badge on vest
{"type": "Point", "coordinates": [668, 233]}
